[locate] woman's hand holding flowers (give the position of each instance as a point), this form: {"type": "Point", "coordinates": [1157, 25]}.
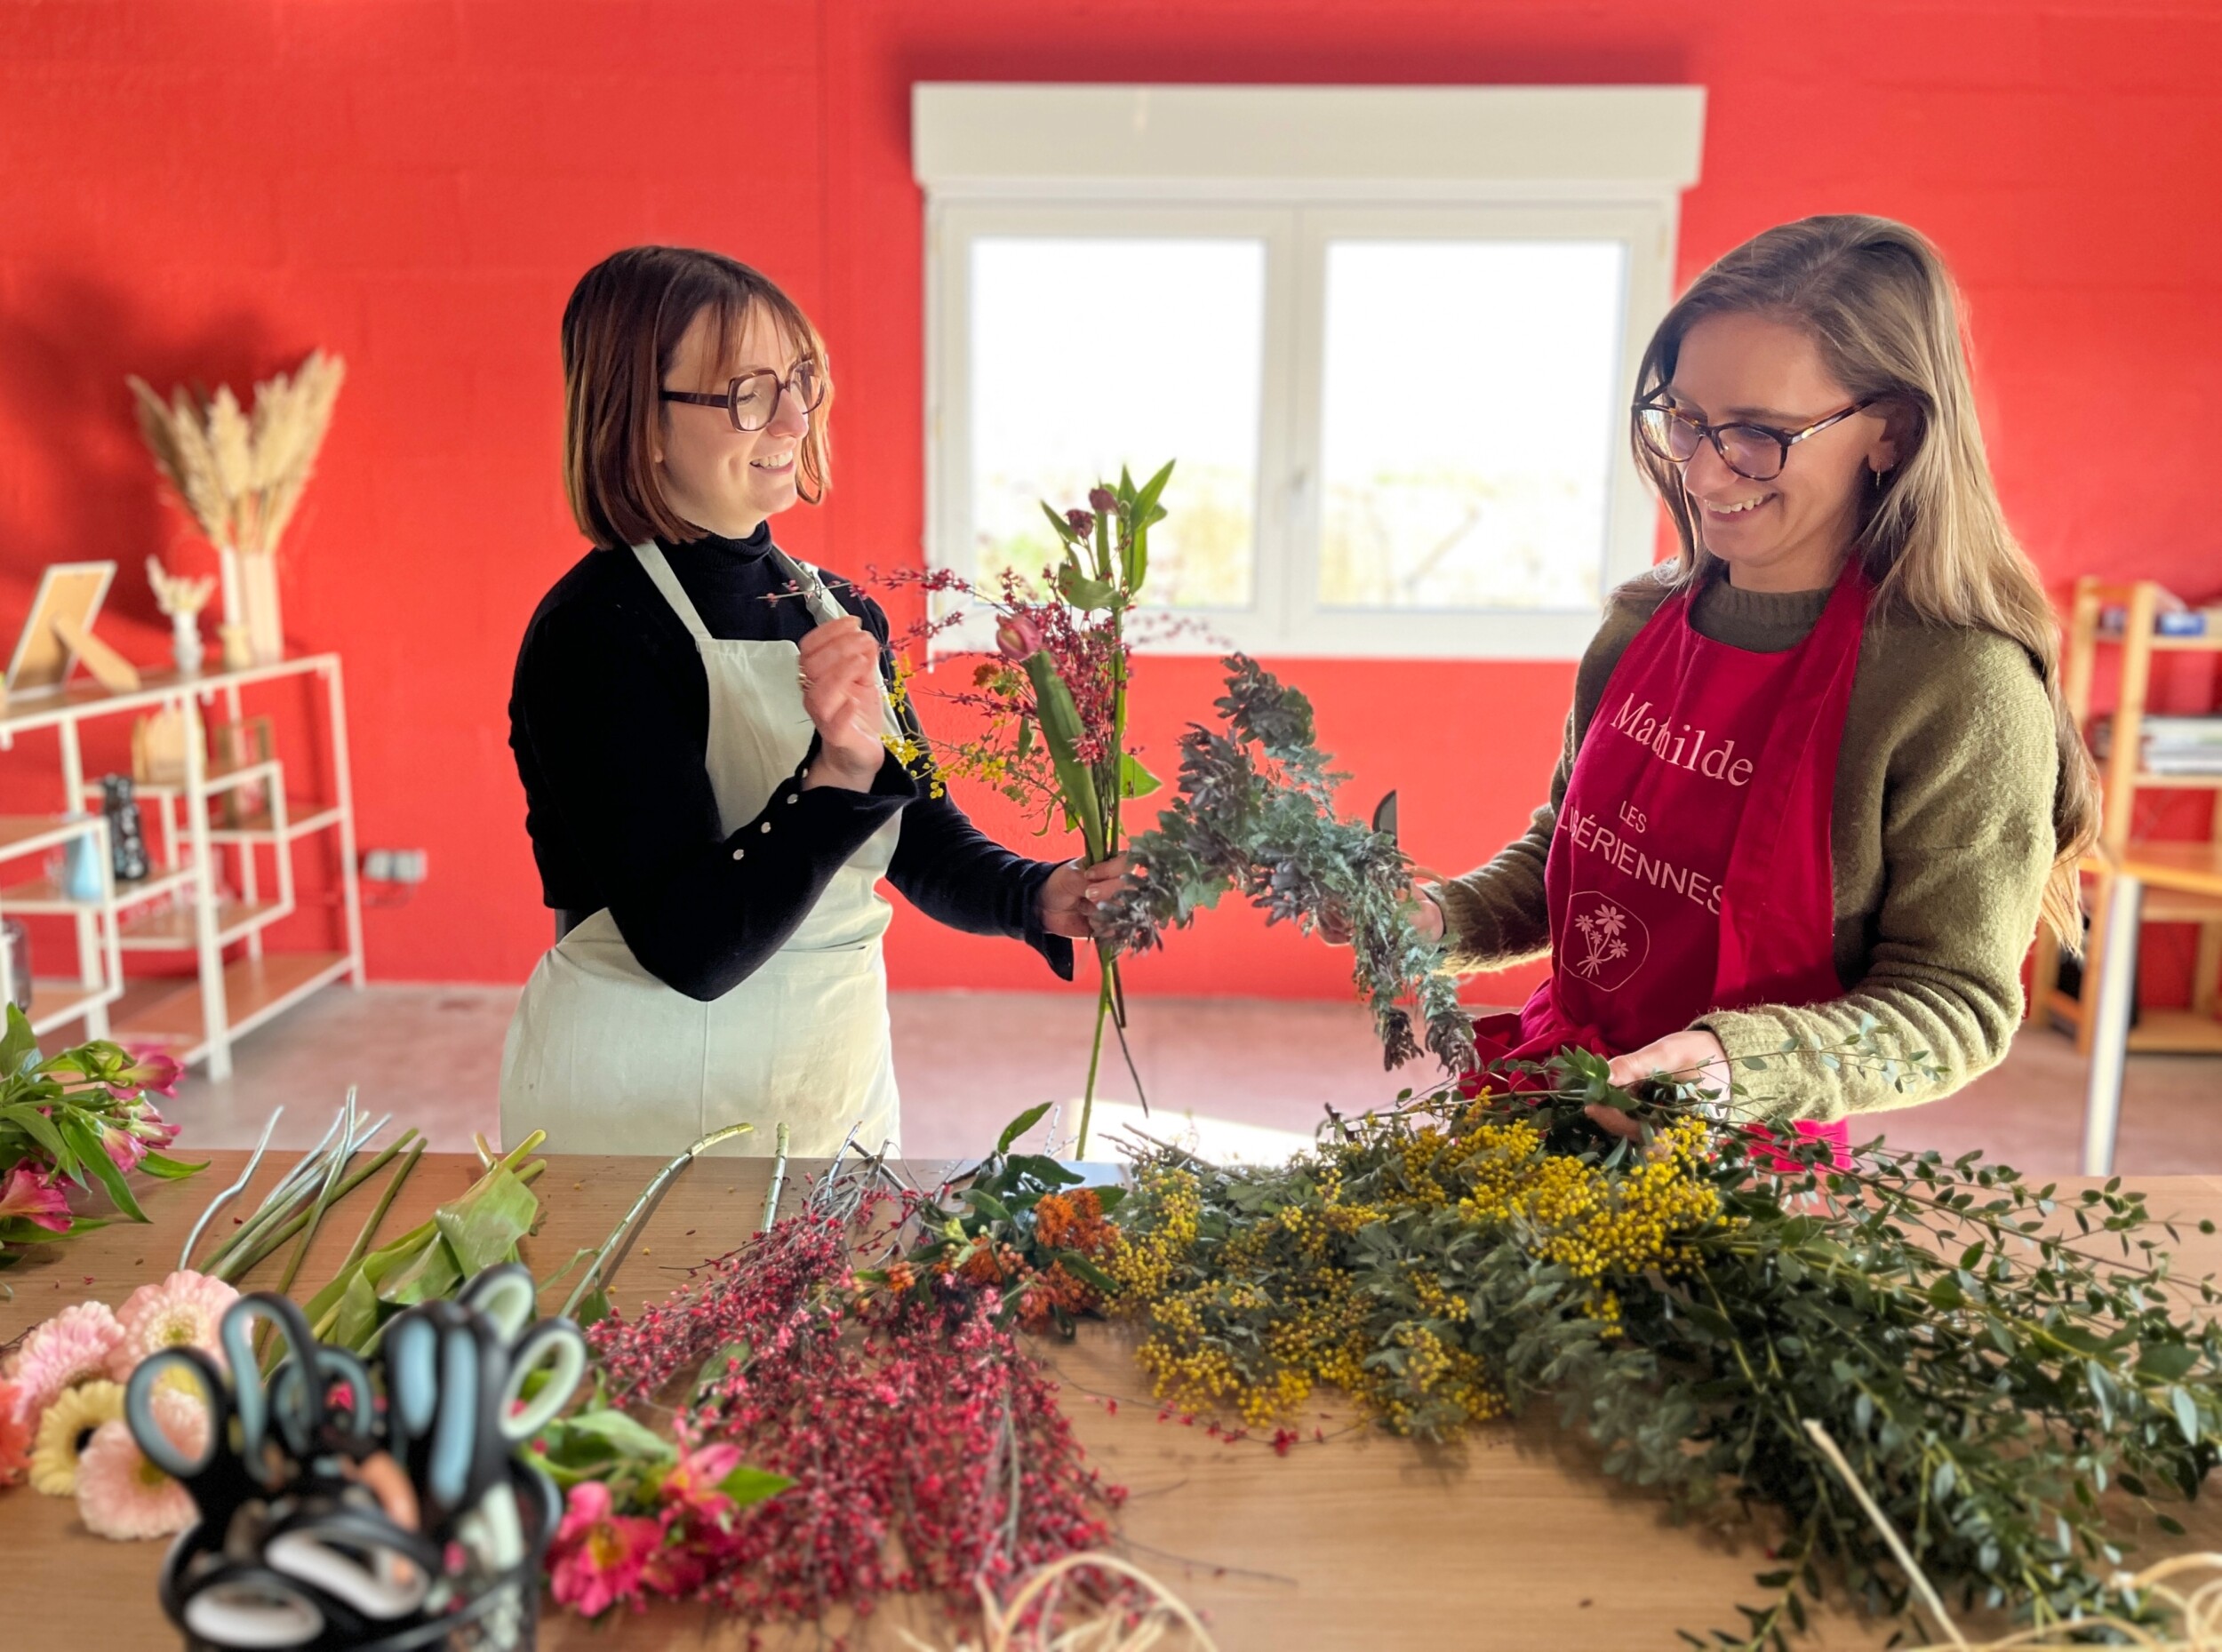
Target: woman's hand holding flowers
{"type": "Point", "coordinates": [1073, 892]}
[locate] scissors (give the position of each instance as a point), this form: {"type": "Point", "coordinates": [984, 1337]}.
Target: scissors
{"type": "Point", "coordinates": [457, 1375]}
{"type": "Point", "coordinates": [292, 1410]}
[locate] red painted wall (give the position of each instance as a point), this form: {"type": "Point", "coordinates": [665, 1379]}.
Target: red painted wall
{"type": "Point", "coordinates": [207, 190]}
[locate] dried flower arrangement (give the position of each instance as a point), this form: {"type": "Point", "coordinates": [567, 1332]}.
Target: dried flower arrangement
{"type": "Point", "coordinates": [241, 475]}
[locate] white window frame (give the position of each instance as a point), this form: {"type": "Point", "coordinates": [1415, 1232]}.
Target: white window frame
{"type": "Point", "coordinates": [1297, 167]}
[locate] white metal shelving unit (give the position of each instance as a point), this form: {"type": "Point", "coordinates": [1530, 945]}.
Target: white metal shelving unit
{"type": "Point", "coordinates": [179, 908]}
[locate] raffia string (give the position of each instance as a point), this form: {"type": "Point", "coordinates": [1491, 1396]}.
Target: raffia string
{"type": "Point", "coordinates": [2198, 1613]}
{"type": "Point", "coordinates": [1119, 1630]}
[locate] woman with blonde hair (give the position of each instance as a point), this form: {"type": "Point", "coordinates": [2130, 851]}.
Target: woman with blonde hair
{"type": "Point", "coordinates": [1818, 780]}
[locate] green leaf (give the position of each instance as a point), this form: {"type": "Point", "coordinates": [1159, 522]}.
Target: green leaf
{"type": "Point", "coordinates": [1061, 729]}
{"type": "Point", "coordinates": [746, 1485]}
{"type": "Point", "coordinates": [84, 1137]}
{"type": "Point", "coordinates": [2187, 1414]}
{"type": "Point", "coordinates": [1087, 1273]}
{"type": "Point", "coordinates": [359, 1314]}
{"type": "Point", "coordinates": [1134, 780]}
{"type": "Point", "coordinates": [484, 1225]}
{"type": "Point", "coordinates": [594, 1307]}
{"type": "Point", "coordinates": [39, 1127]}
{"type": "Point", "coordinates": [1020, 1126]}
{"type": "Point", "coordinates": [430, 1274]}
{"type": "Point", "coordinates": [1080, 591]}
{"type": "Point", "coordinates": [19, 1050]}
{"type": "Point", "coordinates": [164, 1168]}
{"type": "Point", "coordinates": [1145, 498]}
{"type": "Point", "coordinates": [2166, 1362]}
{"type": "Point", "coordinates": [624, 1436]}
{"type": "Point", "coordinates": [987, 1204]}
{"type": "Point", "coordinates": [1064, 535]}
{"type": "Point", "coordinates": [1043, 1169]}
{"type": "Point", "coordinates": [2169, 1524]}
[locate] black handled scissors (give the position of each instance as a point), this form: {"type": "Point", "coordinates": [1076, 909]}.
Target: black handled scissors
{"type": "Point", "coordinates": [291, 1411]}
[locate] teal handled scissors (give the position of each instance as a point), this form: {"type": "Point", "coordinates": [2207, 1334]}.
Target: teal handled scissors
{"type": "Point", "coordinates": [458, 1374]}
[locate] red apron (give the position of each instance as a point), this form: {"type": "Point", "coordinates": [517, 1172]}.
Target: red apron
{"type": "Point", "coordinates": [1691, 870]}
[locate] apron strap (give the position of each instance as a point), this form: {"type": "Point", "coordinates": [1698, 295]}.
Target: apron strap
{"type": "Point", "coordinates": [659, 568]}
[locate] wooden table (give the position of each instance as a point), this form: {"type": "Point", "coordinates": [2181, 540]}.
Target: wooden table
{"type": "Point", "coordinates": [2184, 868]}
{"type": "Point", "coordinates": [1514, 1541]}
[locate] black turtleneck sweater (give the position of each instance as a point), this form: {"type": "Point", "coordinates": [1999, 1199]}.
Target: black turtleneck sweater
{"type": "Point", "coordinates": [609, 717]}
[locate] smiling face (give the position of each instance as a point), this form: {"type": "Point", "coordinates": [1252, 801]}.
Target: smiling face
{"type": "Point", "coordinates": [1792, 531]}
{"type": "Point", "coordinates": [721, 479]}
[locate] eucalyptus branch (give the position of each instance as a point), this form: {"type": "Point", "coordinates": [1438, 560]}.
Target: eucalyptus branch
{"type": "Point", "coordinates": [1255, 815]}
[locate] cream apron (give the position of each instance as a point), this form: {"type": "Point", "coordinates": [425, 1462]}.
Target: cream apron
{"type": "Point", "coordinates": [606, 1059]}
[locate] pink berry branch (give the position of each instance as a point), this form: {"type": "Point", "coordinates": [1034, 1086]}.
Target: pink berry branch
{"type": "Point", "coordinates": [908, 1444]}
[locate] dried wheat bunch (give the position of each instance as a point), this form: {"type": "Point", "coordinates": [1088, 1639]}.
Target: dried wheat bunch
{"type": "Point", "coordinates": [242, 474]}
{"type": "Point", "coordinates": [176, 594]}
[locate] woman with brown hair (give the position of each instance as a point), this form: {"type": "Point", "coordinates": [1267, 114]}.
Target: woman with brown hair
{"type": "Point", "coordinates": [1818, 780]}
{"type": "Point", "coordinates": [701, 724]}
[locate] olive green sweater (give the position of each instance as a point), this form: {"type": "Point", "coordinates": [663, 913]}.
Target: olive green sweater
{"type": "Point", "coordinates": [1941, 841]}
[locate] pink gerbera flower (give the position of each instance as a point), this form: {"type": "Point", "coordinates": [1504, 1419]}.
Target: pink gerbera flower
{"type": "Point", "coordinates": [597, 1556]}
{"type": "Point", "coordinates": [15, 1438]}
{"type": "Point", "coordinates": [121, 1493]}
{"type": "Point", "coordinates": [182, 1312]}
{"type": "Point", "coordinates": [73, 1347]}
{"type": "Point", "coordinates": [36, 1196]}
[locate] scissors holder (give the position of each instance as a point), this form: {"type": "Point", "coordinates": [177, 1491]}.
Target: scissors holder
{"type": "Point", "coordinates": [379, 1506]}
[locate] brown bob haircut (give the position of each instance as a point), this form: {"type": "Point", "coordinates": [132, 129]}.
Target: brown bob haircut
{"type": "Point", "coordinates": [621, 328]}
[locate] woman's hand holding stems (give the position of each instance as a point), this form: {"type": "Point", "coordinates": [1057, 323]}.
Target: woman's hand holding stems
{"type": "Point", "coordinates": [842, 691]}
{"type": "Point", "coordinates": [1694, 1056]}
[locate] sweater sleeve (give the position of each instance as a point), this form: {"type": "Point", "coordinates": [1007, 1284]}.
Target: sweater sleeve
{"type": "Point", "coordinates": [947, 867]}
{"type": "Point", "coordinates": [1967, 845]}
{"type": "Point", "coordinates": [701, 910]}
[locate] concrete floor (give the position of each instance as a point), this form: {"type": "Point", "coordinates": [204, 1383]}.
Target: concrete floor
{"type": "Point", "coordinates": [1253, 1074]}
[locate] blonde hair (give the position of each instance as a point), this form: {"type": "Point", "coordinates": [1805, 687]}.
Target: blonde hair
{"type": "Point", "coordinates": [621, 332]}
{"type": "Point", "coordinates": [1876, 297]}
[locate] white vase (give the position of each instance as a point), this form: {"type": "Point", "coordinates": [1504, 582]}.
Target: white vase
{"type": "Point", "coordinates": [258, 605]}
{"type": "Point", "coordinates": [185, 643]}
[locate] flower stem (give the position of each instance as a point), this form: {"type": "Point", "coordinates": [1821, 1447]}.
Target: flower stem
{"type": "Point", "coordinates": [620, 1239]}
{"type": "Point", "coordinates": [1095, 1060]}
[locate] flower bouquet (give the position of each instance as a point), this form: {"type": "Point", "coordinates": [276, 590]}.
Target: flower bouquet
{"type": "Point", "coordinates": [1054, 696]}
{"type": "Point", "coordinates": [73, 1120]}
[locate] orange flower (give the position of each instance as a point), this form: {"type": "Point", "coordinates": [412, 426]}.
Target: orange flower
{"type": "Point", "coordinates": [1074, 1221]}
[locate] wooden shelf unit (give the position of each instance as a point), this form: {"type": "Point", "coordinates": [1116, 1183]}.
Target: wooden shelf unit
{"type": "Point", "coordinates": [2195, 1031]}
{"type": "Point", "coordinates": [180, 908]}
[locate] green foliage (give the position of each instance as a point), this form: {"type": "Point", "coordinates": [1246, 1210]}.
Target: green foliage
{"type": "Point", "coordinates": [1256, 815]}
{"type": "Point", "coordinates": [69, 1117]}
{"type": "Point", "coordinates": [478, 1229]}
{"type": "Point", "coordinates": [2014, 1372]}
{"type": "Point", "coordinates": [994, 1213]}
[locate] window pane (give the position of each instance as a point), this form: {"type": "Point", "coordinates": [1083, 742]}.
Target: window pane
{"type": "Point", "coordinates": [1471, 400]}
{"type": "Point", "coordinates": [1088, 353]}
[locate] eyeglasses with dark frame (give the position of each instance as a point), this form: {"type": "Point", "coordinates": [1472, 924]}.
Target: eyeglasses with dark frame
{"type": "Point", "coordinates": [752, 401]}
{"type": "Point", "coordinates": [1755, 452]}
